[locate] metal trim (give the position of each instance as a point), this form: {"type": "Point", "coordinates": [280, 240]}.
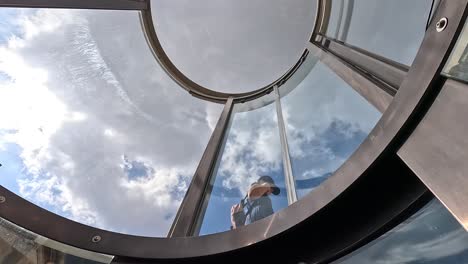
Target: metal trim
{"type": "Point", "coordinates": [391, 72]}
{"type": "Point", "coordinates": [190, 209]}
{"type": "Point", "coordinates": [371, 90]}
{"type": "Point", "coordinates": [79, 4]}
{"type": "Point", "coordinates": [289, 181]}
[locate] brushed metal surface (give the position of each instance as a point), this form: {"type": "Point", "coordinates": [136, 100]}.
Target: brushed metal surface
{"type": "Point", "coordinates": [372, 92]}
{"type": "Point", "coordinates": [437, 151]}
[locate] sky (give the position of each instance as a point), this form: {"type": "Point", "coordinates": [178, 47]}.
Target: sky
{"type": "Point", "coordinates": [234, 46]}
{"type": "Point", "coordinates": [94, 130]}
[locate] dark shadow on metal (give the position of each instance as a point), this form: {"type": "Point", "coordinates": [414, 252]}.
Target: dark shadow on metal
{"type": "Point", "coordinates": [390, 72]}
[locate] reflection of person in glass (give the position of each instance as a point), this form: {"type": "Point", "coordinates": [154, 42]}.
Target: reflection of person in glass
{"type": "Point", "coordinates": [256, 204]}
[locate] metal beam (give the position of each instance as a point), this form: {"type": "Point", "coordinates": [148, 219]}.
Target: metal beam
{"type": "Point", "coordinates": [368, 88]}
{"type": "Point", "coordinates": [185, 222]}
{"type": "Point", "coordinates": [437, 151]}
{"type": "Point", "coordinates": [288, 174]}
{"type": "Point", "coordinates": [78, 4]}
{"type": "Point", "coordinates": [390, 72]}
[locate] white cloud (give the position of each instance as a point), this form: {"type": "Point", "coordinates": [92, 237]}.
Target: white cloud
{"type": "Point", "coordinates": [83, 89]}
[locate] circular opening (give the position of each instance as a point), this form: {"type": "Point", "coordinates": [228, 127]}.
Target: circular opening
{"type": "Point", "coordinates": [233, 46]}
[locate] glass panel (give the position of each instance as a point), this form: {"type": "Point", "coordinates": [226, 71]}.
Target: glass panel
{"type": "Point", "coordinates": [457, 65]}
{"type": "Point", "coordinates": [252, 149]}
{"type": "Point", "coordinates": [430, 236]}
{"type": "Point", "coordinates": [339, 11]}
{"type": "Point", "coordinates": [374, 26]}
{"type": "Point", "coordinates": [18, 245]}
{"type": "Point", "coordinates": [91, 126]}
{"type": "Point", "coordinates": [234, 45]}
{"type": "Point", "coordinates": [326, 121]}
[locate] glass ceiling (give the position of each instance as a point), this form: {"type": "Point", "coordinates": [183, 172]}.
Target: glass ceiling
{"type": "Point", "coordinates": [91, 125]}
{"type": "Point", "coordinates": [234, 46]}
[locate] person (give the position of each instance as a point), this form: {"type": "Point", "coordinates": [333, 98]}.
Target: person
{"type": "Point", "coordinates": [256, 204]}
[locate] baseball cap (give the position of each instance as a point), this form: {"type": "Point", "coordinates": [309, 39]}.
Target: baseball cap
{"type": "Point", "coordinates": [270, 181]}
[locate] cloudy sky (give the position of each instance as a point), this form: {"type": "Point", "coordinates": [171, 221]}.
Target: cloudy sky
{"type": "Point", "coordinates": [245, 44]}
{"type": "Point", "coordinates": [94, 130]}
{"type": "Point", "coordinates": [91, 127]}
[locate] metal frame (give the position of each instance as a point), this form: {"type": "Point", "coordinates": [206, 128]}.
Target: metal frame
{"type": "Point", "coordinates": [370, 170]}
{"type": "Point", "coordinates": [191, 207]}
{"type": "Point", "coordinates": [375, 92]}
{"type": "Point", "coordinates": [79, 4]}
{"type": "Point", "coordinates": [288, 173]}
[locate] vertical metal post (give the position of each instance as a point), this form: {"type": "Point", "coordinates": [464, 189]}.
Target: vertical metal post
{"type": "Point", "coordinates": [185, 222]}
{"type": "Point", "coordinates": [288, 175]}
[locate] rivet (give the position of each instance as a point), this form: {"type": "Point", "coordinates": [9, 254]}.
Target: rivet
{"type": "Point", "coordinates": [96, 239]}
{"type": "Point", "coordinates": [441, 24]}
{"type": "Point", "coordinates": [2, 199]}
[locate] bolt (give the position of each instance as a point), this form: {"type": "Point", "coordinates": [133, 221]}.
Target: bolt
{"type": "Point", "coordinates": [441, 24]}
{"type": "Point", "coordinates": [96, 239]}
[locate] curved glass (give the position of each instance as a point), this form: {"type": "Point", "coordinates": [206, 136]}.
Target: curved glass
{"type": "Point", "coordinates": [252, 149]}
{"type": "Point", "coordinates": [18, 245]}
{"type": "Point", "coordinates": [91, 127]}
{"type": "Point", "coordinates": [230, 45]}
{"type": "Point", "coordinates": [393, 29]}
{"type": "Point", "coordinates": [430, 236]}
{"type": "Point", "coordinates": [326, 120]}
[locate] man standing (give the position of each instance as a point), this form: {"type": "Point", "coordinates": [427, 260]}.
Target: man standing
{"type": "Point", "coordinates": [256, 205]}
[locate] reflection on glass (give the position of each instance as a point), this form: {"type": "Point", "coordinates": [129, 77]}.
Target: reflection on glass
{"type": "Point", "coordinates": [91, 126]}
{"type": "Point", "coordinates": [457, 65]}
{"type": "Point", "coordinates": [326, 121]}
{"type": "Point", "coordinates": [18, 245]}
{"type": "Point", "coordinates": [341, 12]}
{"type": "Point", "coordinates": [431, 236]}
{"type": "Point", "coordinates": [252, 149]}
{"type": "Point", "coordinates": [375, 27]}
{"type": "Point", "coordinates": [234, 45]}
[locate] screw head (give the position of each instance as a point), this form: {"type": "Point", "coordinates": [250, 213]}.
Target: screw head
{"type": "Point", "coordinates": [441, 24]}
{"type": "Point", "coordinates": [2, 199]}
{"type": "Point", "coordinates": [96, 239]}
